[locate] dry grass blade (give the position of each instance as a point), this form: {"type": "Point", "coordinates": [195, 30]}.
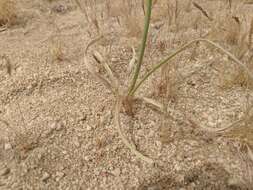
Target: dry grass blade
{"type": "Point", "coordinates": [160, 108]}
{"type": "Point", "coordinates": [129, 145]}
{"type": "Point", "coordinates": [237, 20]}
{"type": "Point", "coordinates": [203, 11]}
{"type": "Point", "coordinates": [4, 122]}
{"type": "Point", "coordinates": [152, 102]}
{"type": "Point", "coordinates": [132, 62]}
{"type": "Point", "coordinates": [143, 7]}
{"type": "Point", "coordinates": [251, 34]}
{"type": "Point", "coordinates": [92, 42]}
{"type": "Point", "coordinates": [250, 153]}
{"type": "Point", "coordinates": [98, 57]}
{"type": "Point", "coordinates": [230, 3]}
{"type": "Point", "coordinates": [229, 127]}
{"type": "Point", "coordinates": [2, 29]}
{"type": "Point", "coordinates": [92, 70]}
{"type": "Point", "coordinates": [247, 164]}
{"type": "Point", "coordinates": [7, 64]}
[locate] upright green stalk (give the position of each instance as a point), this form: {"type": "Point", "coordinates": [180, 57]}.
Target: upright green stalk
{"type": "Point", "coordinates": [143, 46]}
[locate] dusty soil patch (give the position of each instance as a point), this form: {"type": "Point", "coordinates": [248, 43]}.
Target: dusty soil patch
{"type": "Point", "coordinates": [208, 176]}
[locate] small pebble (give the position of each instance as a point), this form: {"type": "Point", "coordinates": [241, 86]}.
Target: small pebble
{"type": "Point", "coordinates": [45, 176]}
{"type": "Point", "coordinates": [57, 125]}
{"type": "Point", "coordinates": [116, 172]}
{"type": "Point", "coordinates": [88, 127]}
{"type": "Point", "coordinates": [86, 158]}
{"type": "Point", "coordinates": [114, 59]}
{"type": "Point", "coordinates": [7, 146]}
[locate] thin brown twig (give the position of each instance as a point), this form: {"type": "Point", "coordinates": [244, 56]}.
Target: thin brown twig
{"type": "Point", "coordinates": [203, 11]}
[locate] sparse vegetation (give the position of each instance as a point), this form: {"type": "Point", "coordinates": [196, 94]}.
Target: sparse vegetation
{"type": "Point", "coordinates": [245, 76]}
{"type": "Point", "coordinates": [171, 100]}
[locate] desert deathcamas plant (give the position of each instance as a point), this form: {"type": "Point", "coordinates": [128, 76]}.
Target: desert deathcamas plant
{"type": "Point", "coordinates": [125, 99]}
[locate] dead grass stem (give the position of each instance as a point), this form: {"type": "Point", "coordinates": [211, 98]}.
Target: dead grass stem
{"type": "Point", "coordinates": [202, 10]}
{"type": "Point", "coordinates": [131, 146]}
{"type": "Point", "coordinates": [251, 34]}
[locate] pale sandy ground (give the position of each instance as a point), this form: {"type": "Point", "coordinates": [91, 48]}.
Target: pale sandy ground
{"type": "Point", "coordinates": [57, 129]}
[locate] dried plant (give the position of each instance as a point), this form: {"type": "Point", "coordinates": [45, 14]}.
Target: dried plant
{"type": "Point", "coordinates": [202, 10]}
{"type": "Point", "coordinates": [161, 46]}
{"type": "Point", "coordinates": [8, 12]}
{"type": "Point", "coordinates": [231, 76]}
{"type": "Point", "coordinates": [127, 99]}
{"type": "Point", "coordinates": [56, 50]}
{"type": "Point", "coordinates": [230, 4]}
{"type": "Point", "coordinates": [250, 41]}
{"type": "Point", "coordinates": [7, 64]}
{"type": "Point", "coordinates": [244, 151]}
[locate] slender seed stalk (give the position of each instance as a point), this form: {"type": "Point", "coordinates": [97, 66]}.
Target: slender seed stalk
{"type": "Point", "coordinates": [184, 47]}
{"type": "Point", "coordinates": [143, 46]}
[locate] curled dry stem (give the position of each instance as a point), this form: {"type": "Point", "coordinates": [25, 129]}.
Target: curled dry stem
{"type": "Point", "coordinates": [161, 108]}
{"type": "Point", "coordinates": [93, 71]}
{"type": "Point", "coordinates": [114, 81]}
{"type": "Point", "coordinates": [129, 145]}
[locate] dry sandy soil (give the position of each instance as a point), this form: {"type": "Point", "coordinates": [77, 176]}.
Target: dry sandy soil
{"type": "Point", "coordinates": [56, 120]}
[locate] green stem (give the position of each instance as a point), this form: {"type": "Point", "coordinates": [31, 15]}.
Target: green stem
{"type": "Point", "coordinates": [143, 46]}
{"type": "Point", "coordinates": [184, 47]}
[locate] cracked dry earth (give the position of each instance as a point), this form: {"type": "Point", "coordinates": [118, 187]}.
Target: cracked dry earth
{"type": "Point", "coordinates": [56, 121]}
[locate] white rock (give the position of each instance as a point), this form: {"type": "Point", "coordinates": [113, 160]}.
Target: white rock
{"type": "Point", "coordinates": [86, 158]}
{"type": "Point", "coordinates": [114, 59]}
{"type": "Point", "coordinates": [57, 125]}
{"type": "Point", "coordinates": [88, 127]}
{"type": "Point", "coordinates": [7, 146]}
